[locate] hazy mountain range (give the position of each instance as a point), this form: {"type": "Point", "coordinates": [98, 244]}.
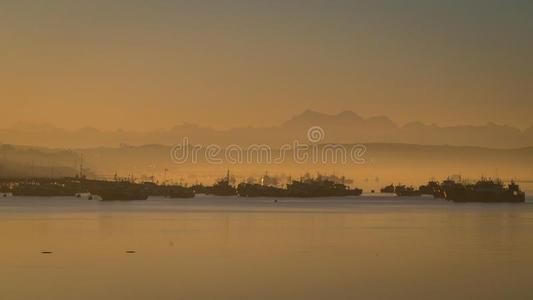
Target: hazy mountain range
{"type": "Point", "coordinates": [345, 127]}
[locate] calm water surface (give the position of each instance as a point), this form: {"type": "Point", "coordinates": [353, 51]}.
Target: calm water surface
{"type": "Point", "coordinates": [229, 248]}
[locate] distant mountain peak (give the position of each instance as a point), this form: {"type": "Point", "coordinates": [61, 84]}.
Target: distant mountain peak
{"type": "Point", "coordinates": [309, 113]}
{"type": "Point", "coordinates": [348, 114]}
{"type": "Point", "coordinates": [306, 117]}
{"type": "Point", "coordinates": [345, 118]}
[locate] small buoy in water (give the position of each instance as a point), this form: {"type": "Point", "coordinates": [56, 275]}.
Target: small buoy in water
{"type": "Point", "coordinates": [46, 252]}
{"type": "Point", "coordinates": [131, 251]}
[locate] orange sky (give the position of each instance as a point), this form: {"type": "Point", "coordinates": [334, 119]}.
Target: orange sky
{"type": "Point", "coordinates": [144, 65]}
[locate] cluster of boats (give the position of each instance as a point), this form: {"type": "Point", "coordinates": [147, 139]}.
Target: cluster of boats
{"type": "Point", "coordinates": [304, 188]}
{"type": "Point", "coordinates": [128, 190]}
{"type": "Point", "coordinates": [91, 189]}
{"type": "Point", "coordinates": [484, 190]}
{"type": "Point", "coordinates": [308, 188]}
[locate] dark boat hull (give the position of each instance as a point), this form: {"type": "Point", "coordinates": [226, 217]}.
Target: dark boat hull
{"type": "Point", "coordinates": [181, 195]}
{"type": "Point", "coordinates": [487, 197]}
{"type": "Point", "coordinates": [43, 192]}
{"type": "Point", "coordinates": [409, 194]}
{"type": "Point", "coordinates": [119, 196]}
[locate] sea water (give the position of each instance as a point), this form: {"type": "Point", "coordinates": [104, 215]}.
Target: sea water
{"type": "Point", "coordinates": [369, 247]}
